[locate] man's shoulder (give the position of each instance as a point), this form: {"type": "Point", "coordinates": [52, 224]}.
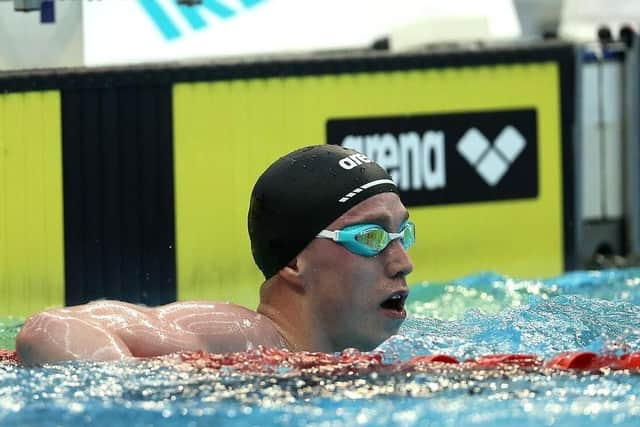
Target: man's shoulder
{"type": "Point", "coordinates": [213, 310]}
{"type": "Point", "coordinates": [208, 306]}
{"type": "Point", "coordinates": [223, 326]}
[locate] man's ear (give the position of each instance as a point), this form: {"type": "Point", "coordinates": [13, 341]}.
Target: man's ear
{"type": "Point", "coordinates": [291, 273]}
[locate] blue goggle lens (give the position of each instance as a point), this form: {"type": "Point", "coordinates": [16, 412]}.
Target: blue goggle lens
{"type": "Point", "coordinates": [370, 240]}
{"type": "Point", "coordinates": [375, 238]}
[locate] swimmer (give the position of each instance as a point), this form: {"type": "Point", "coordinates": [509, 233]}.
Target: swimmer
{"type": "Point", "coordinates": [330, 235]}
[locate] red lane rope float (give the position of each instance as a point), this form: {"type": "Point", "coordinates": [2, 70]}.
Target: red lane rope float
{"type": "Point", "coordinates": [352, 361]}
{"type": "Point", "coordinates": [520, 360]}
{"type": "Point", "coordinates": [433, 358]}
{"type": "Point", "coordinates": [8, 356]}
{"type": "Point", "coordinates": [271, 360]}
{"type": "Point", "coordinates": [593, 361]}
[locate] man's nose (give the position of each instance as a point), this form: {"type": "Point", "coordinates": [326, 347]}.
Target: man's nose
{"type": "Point", "coordinates": [398, 263]}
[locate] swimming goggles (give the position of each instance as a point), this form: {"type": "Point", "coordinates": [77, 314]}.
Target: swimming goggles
{"type": "Point", "coordinates": [370, 239]}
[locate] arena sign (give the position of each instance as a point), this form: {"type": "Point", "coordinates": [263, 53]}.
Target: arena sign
{"type": "Point", "coordinates": [450, 158]}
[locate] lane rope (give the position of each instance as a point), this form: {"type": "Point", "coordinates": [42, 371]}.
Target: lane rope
{"type": "Point", "coordinates": [264, 360]}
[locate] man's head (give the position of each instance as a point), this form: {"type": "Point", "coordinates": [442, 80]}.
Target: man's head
{"type": "Point", "coordinates": [356, 300]}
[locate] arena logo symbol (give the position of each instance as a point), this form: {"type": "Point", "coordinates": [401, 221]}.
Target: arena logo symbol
{"type": "Point", "coordinates": [194, 16]}
{"type": "Point", "coordinates": [492, 162]}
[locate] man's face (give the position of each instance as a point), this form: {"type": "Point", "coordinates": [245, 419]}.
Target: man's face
{"type": "Point", "coordinates": [358, 301]}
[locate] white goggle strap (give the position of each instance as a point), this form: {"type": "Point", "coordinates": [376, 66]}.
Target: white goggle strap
{"type": "Point", "coordinates": [326, 234]}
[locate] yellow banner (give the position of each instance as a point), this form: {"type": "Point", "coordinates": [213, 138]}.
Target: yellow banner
{"type": "Point", "coordinates": [31, 224]}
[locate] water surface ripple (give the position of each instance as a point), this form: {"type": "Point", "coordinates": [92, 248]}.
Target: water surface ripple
{"type": "Point", "coordinates": [481, 314]}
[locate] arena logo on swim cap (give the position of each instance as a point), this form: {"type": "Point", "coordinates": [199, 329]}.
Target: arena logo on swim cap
{"type": "Point", "coordinates": [447, 158]}
{"type": "Point", "coordinates": [353, 160]}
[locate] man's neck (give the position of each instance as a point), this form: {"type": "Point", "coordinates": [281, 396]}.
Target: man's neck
{"type": "Point", "coordinates": [287, 309]}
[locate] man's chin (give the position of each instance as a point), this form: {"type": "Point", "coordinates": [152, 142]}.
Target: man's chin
{"type": "Point", "coordinates": [381, 329]}
{"type": "Point", "coordinates": [383, 337]}
{"type": "Point", "coordinates": [392, 329]}
{"type": "Point", "coordinates": [371, 343]}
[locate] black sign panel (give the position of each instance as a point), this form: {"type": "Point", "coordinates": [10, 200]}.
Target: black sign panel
{"type": "Point", "coordinates": [450, 158]}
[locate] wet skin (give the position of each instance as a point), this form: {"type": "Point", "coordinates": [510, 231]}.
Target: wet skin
{"type": "Point", "coordinates": [339, 296]}
{"type": "Point", "coordinates": [112, 330]}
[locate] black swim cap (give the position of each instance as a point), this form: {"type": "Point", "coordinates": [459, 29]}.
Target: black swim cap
{"type": "Point", "coordinates": [302, 193]}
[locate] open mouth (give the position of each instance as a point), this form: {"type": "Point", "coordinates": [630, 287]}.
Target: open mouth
{"type": "Point", "coordinates": [395, 303]}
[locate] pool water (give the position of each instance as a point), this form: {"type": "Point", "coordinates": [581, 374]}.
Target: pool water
{"type": "Point", "coordinates": [481, 314]}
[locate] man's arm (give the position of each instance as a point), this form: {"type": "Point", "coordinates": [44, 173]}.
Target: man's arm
{"type": "Point", "coordinates": [111, 330]}
{"type": "Point", "coordinates": [58, 335]}
{"type": "Point", "coordinates": [99, 331]}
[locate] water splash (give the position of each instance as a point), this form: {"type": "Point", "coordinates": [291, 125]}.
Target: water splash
{"type": "Point", "coordinates": [543, 326]}
{"type": "Point", "coordinates": [491, 313]}
{"type": "Point", "coordinates": [491, 292]}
